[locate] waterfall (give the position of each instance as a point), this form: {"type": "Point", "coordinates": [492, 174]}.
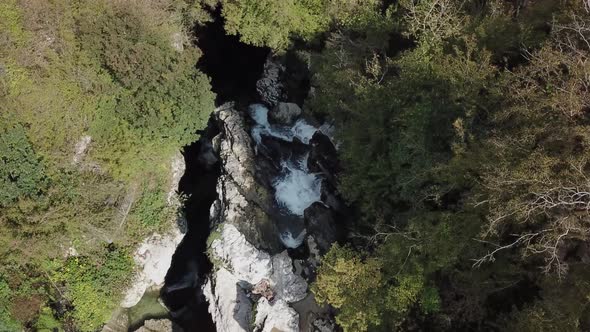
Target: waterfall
{"type": "Point", "coordinates": [296, 188]}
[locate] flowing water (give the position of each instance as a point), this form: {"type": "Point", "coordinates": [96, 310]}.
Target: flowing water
{"type": "Point", "coordinates": [296, 188]}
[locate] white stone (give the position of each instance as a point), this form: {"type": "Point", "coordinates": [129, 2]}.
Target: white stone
{"type": "Point", "coordinates": [229, 306]}
{"type": "Point", "coordinates": [287, 285]}
{"type": "Point", "coordinates": [276, 316]}
{"type": "Point", "coordinates": [152, 258]}
{"type": "Point", "coordinates": [81, 148]}
{"type": "Point", "coordinates": [242, 258]}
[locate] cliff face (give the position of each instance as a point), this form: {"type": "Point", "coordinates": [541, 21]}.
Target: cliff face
{"type": "Point", "coordinates": [263, 255]}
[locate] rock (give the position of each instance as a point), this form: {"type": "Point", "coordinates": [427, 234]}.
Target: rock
{"type": "Point", "coordinates": [216, 143]}
{"type": "Point", "coordinates": [275, 316]}
{"type": "Point", "coordinates": [269, 86]}
{"type": "Point", "coordinates": [239, 256]}
{"type": "Point", "coordinates": [243, 202]}
{"type": "Point", "coordinates": [207, 157]}
{"type": "Point", "coordinates": [323, 325]}
{"type": "Point", "coordinates": [319, 221]}
{"type": "Point", "coordinates": [284, 113]}
{"type": "Point", "coordinates": [331, 198]}
{"type": "Point", "coordinates": [177, 168]}
{"type": "Point", "coordinates": [159, 325]}
{"type": "Point", "coordinates": [323, 156]}
{"type": "Point", "coordinates": [154, 256]}
{"type": "Point", "coordinates": [229, 306]}
{"type": "Point", "coordinates": [81, 149]}
{"type": "Point", "coordinates": [276, 149]}
{"type": "Point", "coordinates": [263, 289]}
{"type": "Point", "coordinates": [177, 41]}
{"type": "Point", "coordinates": [288, 285]}
{"type": "Point", "coordinates": [241, 265]}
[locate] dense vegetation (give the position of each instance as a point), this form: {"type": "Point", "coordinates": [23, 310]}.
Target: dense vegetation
{"type": "Point", "coordinates": [463, 128]}
{"type": "Point", "coordinates": [464, 135]}
{"type": "Point", "coordinates": [96, 97]}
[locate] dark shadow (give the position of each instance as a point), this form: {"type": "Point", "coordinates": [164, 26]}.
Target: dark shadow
{"type": "Point", "coordinates": [234, 67]}
{"type": "Point", "coordinates": [190, 265]}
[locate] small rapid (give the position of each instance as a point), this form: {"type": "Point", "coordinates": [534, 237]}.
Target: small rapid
{"type": "Point", "coordinates": [295, 187]}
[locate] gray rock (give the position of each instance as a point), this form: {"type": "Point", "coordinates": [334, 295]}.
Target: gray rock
{"type": "Point", "coordinates": [269, 86]}
{"type": "Point", "coordinates": [288, 285]}
{"type": "Point", "coordinates": [323, 325]}
{"type": "Point", "coordinates": [319, 222]}
{"type": "Point", "coordinates": [275, 316]}
{"type": "Point", "coordinates": [229, 305]}
{"type": "Point", "coordinates": [323, 156]}
{"type": "Point", "coordinates": [207, 157]}
{"type": "Point", "coordinates": [159, 325]}
{"type": "Point", "coordinates": [285, 113]}
{"type": "Point", "coordinates": [243, 202]}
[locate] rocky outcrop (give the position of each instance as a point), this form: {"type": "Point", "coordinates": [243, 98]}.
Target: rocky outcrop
{"type": "Point", "coordinates": [275, 316]}
{"type": "Point", "coordinates": [81, 149]}
{"type": "Point", "coordinates": [241, 268]}
{"type": "Point", "coordinates": [229, 305]}
{"type": "Point", "coordinates": [284, 113]}
{"type": "Point", "coordinates": [242, 202]}
{"type": "Point", "coordinates": [319, 221]}
{"type": "Point", "coordinates": [250, 271]}
{"type": "Point", "coordinates": [323, 157]}
{"type": "Point", "coordinates": [159, 325]}
{"type": "Point", "coordinates": [154, 255]}
{"type": "Point", "coordinates": [269, 86]}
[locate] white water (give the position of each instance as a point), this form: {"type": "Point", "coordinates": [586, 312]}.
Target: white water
{"type": "Point", "coordinates": [301, 129]}
{"type": "Point", "coordinates": [296, 189]}
{"type": "Point", "coordinates": [292, 242]}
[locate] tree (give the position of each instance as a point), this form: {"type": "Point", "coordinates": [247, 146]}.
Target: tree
{"type": "Point", "coordinates": [538, 190]}
{"type": "Point", "coordinates": [352, 285]}
{"type": "Point", "coordinates": [21, 170]}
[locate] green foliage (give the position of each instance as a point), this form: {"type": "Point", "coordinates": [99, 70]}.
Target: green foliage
{"type": "Point", "coordinates": [95, 285]}
{"type": "Point", "coordinates": [124, 74]}
{"type": "Point", "coordinates": [152, 207]}
{"type": "Point", "coordinates": [272, 23]}
{"type": "Point", "coordinates": [441, 144]}
{"type": "Point", "coordinates": [275, 23]}
{"type": "Point", "coordinates": [7, 323]}
{"type": "Point", "coordinates": [352, 285]}
{"type": "Point", "coordinates": [46, 321]}
{"type": "Point", "coordinates": [563, 305]}
{"type": "Point", "coordinates": [21, 171]}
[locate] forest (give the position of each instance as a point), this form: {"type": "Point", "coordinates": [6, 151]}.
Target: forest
{"type": "Point", "coordinates": [462, 128]}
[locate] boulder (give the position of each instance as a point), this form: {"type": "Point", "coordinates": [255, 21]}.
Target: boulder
{"type": "Point", "coordinates": [243, 201]}
{"type": "Point", "coordinates": [159, 325]}
{"type": "Point", "coordinates": [323, 157]}
{"type": "Point", "coordinates": [275, 316]}
{"type": "Point", "coordinates": [323, 325]}
{"type": "Point", "coordinates": [276, 149]}
{"type": "Point", "coordinates": [229, 306]}
{"type": "Point", "coordinates": [241, 257]}
{"type": "Point", "coordinates": [269, 86]}
{"type": "Point", "coordinates": [263, 289]}
{"type": "Point", "coordinates": [319, 222]}
{"type": "Point", "coordinates": [207, 157]}
{"type": "Point", "coordinates": [288, 285]}
{"type": "Point", "coordinates": [284, 113]}
{"type": "Point", "coordinates": [331, 197]}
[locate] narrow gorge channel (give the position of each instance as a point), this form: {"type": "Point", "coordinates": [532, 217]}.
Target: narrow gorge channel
{"type": "Point", "coordinates": [261, 206]}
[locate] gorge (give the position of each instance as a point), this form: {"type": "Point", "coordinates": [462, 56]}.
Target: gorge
{"type": "Point", "coordinates": [250, 194]}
